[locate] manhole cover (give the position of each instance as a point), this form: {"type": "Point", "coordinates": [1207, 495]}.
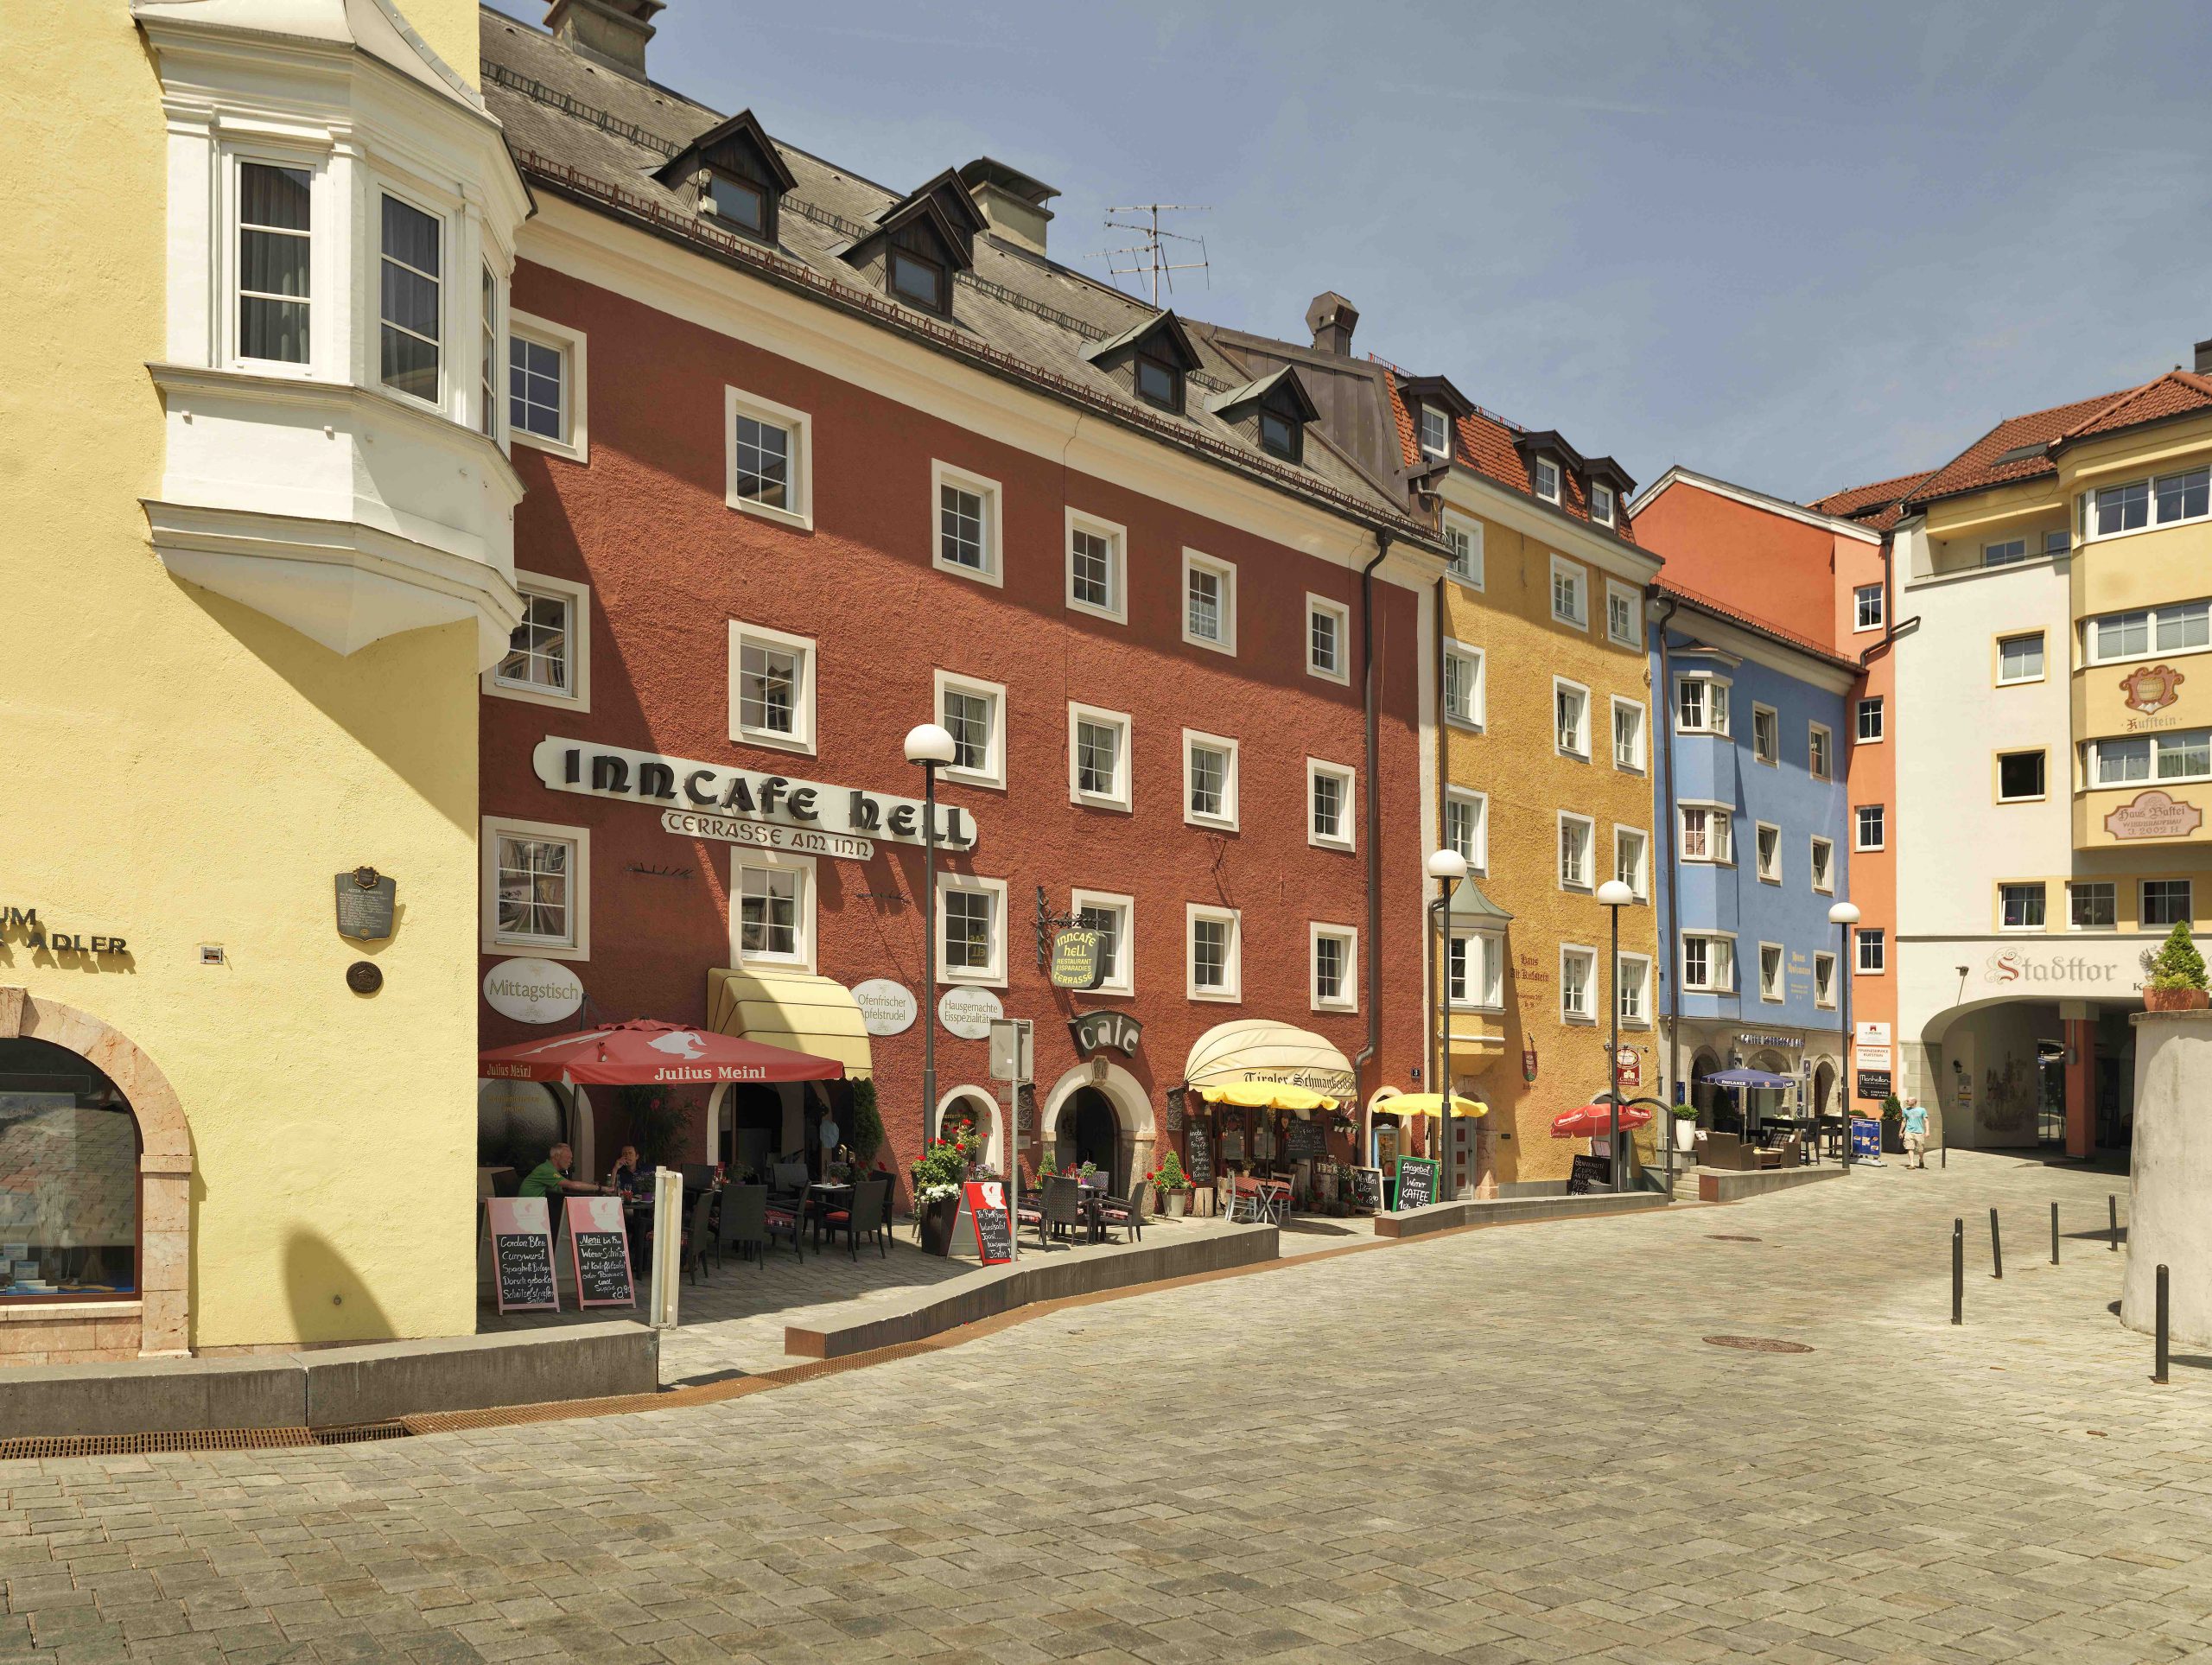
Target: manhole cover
{"type": "Point", "coordinates": [1757, 1344]}
{"type": "Point", "coordinates": [1731, 1237]}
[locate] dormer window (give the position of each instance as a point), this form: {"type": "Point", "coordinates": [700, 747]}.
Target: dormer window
{"type": "Point", "coordinates": [1547, 479]}
{"type": "Point", "coordinates": [1281, 437]}
{"type": "Point", "coordinates": [1435, 431]}
{"type": "Point", "coordinates": [1273, 410]}
{"type": "Point", "coordinates": [918, 278]}
{"type": "Point", "coordinates": [1601, 505]}
{"type": "Point", "coordinates": [739, 201]}
{"type": "Point", "coordinates": [1159, 382]}
{"type": "Point", "coordinates": [738, 173]}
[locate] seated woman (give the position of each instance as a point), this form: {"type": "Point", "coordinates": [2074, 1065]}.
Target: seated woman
{"type": "Point", "coordinates": [629, 1171]}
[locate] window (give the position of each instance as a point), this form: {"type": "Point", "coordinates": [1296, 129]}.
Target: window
{"type": "Point", "coordinates": [1872, 827]}
{"type": "Point", "coordinates": [1820, 751]}
{"type": "Point", "coordinates": [1633, 984]}
{"type": "Point", "coordinates": [2019, 907]}
{"type": "Point", "coordinates": [1215, 971]}
{"type": "Point", "coordinates": [275, 246]}
{"type": "Point", "coordinates": [1336, 957]}
{"type": "Point", "coordinates": [1873, 952]}
{"type": "Point", "coordinates": [2020, 775]}
{"type": "Point", "coordinates": [2093, 904]}
{"type": "Point", "coordinates": [1329, 801]}
{"type": "Point", "coordinates": [2183, 754]}
{"type": "Point", "coordinates": [1209, 602]}
{"type": "Point", "coordinates": [2005, 553]}
{"type": "Point", "coordinates": [772, 688]}
{"type": "Point", "coordinates": [1547, 479]}
{"type": "Point", "coordinates": [1463, 684]}
{"type": "Point", "coordinates": [1578, 973]}
{"type": "Point", "coordinates": [1601, 505]}
{"type": "Point", "coordinates": [1630, 865]}
{"type": "Point", "coordinates": [1709, 964]}
{"type": "Point", "coordinates": [412, 300]}
{"type": "Point", "coordinates": [769, 459]}
{"type": "Point", "coordinates": [2166, 902]}
{"type": "Point", "coordinates": [2057, 543]}
{"type": "Point", "coordinates": [1570, 593]}
{"type": "Point", "coordinates": [775, 908]}
{"type": "Point", "coordinates": [1704, 833]}
{"type": "Point", "coordinates": [974, 714]}
{"type": "Point", "coordinates": [1576, 835]}
{"type": "Point", "coordinates": [1869, 713]}
{"type": "Point", "coordinates": [1620, 615]}
{"type": "Point", "coordinates": [2183, 496]}
{"type": "Point", "coordinates": [73, 1155]}
{"type": "Point", "coordinates": [1435, 431]}
{"type": "Point", "coordinates": [2019, 658]}
{"type": "Point", "coordinates": [2172, 629]}
{"type": "Point", "coordinates": [915, 277]}
{"type": "Point", "coordinates": [1771, 971]}
{"type": "Point", "coordinates": [1824, 980]}
{"type": "Point", "coordinates": [487, 326]}
{"type": "Point", "coordinates": [967, 530]}
{"type": "Point", "coordinates": [546, 386]}
{"type": "Point", "coordinates": [547, 659]}
{"type": "Point", "coordinates": [1627, 736]}
{"type": "Point", "coordinates": [972, 928]}
{"type": "Point", "coordinates": [1867, 607]}
{"type": "Point", "coordinates": [1114, 919]}
{"type": "Point", "coordinates": [1209, 780]}
{"type": "Point", "coordinates": [1279, 436]}
{"type": "Point", "coordinates": [2177, 497]}
{"type": "Point", "coordinates": [1766, 840]}
{"type": "Point", "coordinates": [1824, 866]}
{"type": "Point", "coordinates": [1466, 827]}
{"type": "Point", "coordinates": [1474, 970]}
{"type": "Point", "coordinates": [1098, 757]}
{"type": "Point", "coordinates": [737, 200]}
{"type": "Point", "coordinates": [1766, 734]}
{"type": "Point", "coordinates": [1159, 383]}
{"type": "Point", "coordinates": [1464, 539]}
{"type": "Point", "coordinates": [536, 888]}
{"type": "Point", "coordinates": [1095, 567]}
{"type": "Point", "coordinates": [1571, 718]}
{"type": "Point", "coordinates": [1702, 705]}
{"type": "Point", "coordinates": [1328, 627]}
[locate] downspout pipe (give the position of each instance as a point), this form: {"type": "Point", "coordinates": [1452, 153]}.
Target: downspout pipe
{"type": "Point", "coordinates": [1370, 697]}
{"type": "Point", "coordinates": [1663, 705]}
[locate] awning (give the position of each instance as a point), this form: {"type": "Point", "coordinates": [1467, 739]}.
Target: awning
{"type": "Point", "coordinates": [1749, 1078]}
{"type": "Point", "coordinates": [1427, 1104]}
{"type": "Point", "coordinates": [1261, 1051]}
{"type": "Point", "coordinates": [1268, 1095]}
{"type": "Point", "coordinates": [798, 1009]}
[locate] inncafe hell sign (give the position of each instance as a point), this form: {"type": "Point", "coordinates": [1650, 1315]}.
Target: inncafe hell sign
{"type": "Point", "coordinates": [708, 800]}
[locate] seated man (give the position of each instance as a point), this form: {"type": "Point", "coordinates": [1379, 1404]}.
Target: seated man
{"type": "Point", "coordinates": [549, 1179]}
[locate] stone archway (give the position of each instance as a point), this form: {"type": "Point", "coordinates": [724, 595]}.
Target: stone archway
{"type": "Point", "coordinates": [982, 1110]}
{"type": "Point", "coordinates": [164, 1161]}
{"type": "Point", "coordinates": [1132, 1108]}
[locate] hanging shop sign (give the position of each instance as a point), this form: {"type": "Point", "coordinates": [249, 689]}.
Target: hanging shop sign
{"type": "Point", "coordinates": [1095, 1031]}
{"type": "Point", "coordinates": [1528, 1061]}
{"type": "Point", "coordinates": [713, 800]}
{"type": "Point", "coordinates": [887, 1008]}
{"type": "Point", "coordinates": [1078, 958]}
{"type": "Point", "coordinates": [1628, 1065]}
{"type": "Point", "coordinates": [968, 1013]}
{"type": "Point", "coordinates": [367, 900]}
{"type": "Point", "coordinates": [533, 991]}
{"type": "Point", "coordinates": [2154, 815]}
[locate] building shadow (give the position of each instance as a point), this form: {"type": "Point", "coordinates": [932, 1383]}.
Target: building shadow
{"type": "Point", "coordinates": [330, 1301]}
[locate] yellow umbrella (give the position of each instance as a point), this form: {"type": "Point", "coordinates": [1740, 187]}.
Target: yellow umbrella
{"type": "Point", "coordinates": [1428, 1104]}
{"type": "Point", "coordinates": [1268, 1095]}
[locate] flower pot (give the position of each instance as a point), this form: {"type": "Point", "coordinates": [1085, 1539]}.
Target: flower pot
{"type": "Point", "coordinates": [937, 1220]}
{"type": "Point", "coordinates": [1176, 1200]}
{"type": "Point", "coordinates": [1685, 1133]}
{"type": "Point", "coordinates": [2176, 1000]}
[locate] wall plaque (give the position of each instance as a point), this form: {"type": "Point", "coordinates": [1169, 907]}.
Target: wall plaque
{"type": "Point", "coordinates": [2152, 688]}
{"type": "Point", "coordinates": [364, 903]}
{"type": "Point", "coordinates": [2154, 815]}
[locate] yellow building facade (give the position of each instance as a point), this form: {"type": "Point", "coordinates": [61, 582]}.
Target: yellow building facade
{"type": "Point", "coordinates": [258, 554]}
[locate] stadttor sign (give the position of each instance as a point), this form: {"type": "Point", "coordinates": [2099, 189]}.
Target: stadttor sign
{"type": "Point", "coordinates": [2012, 965]}
{"type": "Point", "coordinates": [2154, 815]}
{"type": "Point", "coordinates": [532, 990]}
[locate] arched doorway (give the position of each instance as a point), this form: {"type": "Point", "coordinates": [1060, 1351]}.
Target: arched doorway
{"type": "Point", "coordinates": [517, 1121]}
{"type": "Point", "coordinates": [1129, 1118]}
{"type": "Point", "coordinates": [1702, 1095]}
{"type": "Point", "coordinates": [1824, 1089]}
{"type": "Point", "coordinates": [1089, 1133]}
{"type": "Point", "coordinates": [970, 1110]}
{"type": "Point", "coordinates": [68, 1178]}
{"type": "Point", "coordinates": [751, 1128]}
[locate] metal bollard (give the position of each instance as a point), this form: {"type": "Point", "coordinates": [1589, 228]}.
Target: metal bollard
{"type": "Point", "coordinates": [2112, 1209]}
{"type": "Point", "coordinates": [1996, 1248]}
{"type": "Point", "coordinates": [1958, 1271]}
{"type": "Point", "coordinates": [2054, 1234]}
{"type": "Point", "coordinates": [1947, 1156]}
{"type": "Point", "coordinates": [2158, 1373]}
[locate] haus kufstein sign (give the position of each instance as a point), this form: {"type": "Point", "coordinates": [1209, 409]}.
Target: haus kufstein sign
{"type": "Point", "coordinates": [1095, 1031]}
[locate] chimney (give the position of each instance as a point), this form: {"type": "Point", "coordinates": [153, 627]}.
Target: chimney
{"type": "Point", "coordinates": [1332, 319]}
{"type": "Point", "coordinates": [1011, 202]}
{"type": "Point", "coordinates": [612, 33]}
{"type": "Point", "coordinates": [2204, 357]}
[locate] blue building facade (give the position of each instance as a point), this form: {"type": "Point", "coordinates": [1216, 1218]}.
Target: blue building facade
{"type": "Point", "coordinates": [1752, 812]}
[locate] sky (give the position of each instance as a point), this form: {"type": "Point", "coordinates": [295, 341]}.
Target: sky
{"type": "Point", "coordinates": [1800, 246]}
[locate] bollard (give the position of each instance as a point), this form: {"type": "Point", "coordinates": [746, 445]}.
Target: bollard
{"type": "Point", "coordinates": [1996, 1248]}
{"type": "Point", "coordinates": [2054, 1234]}
{"type": "Point", "coordinates": [2158, 1373]}
{"type": "Point", "coordinates": [1958, 1271]}
{"type": "Point", "coordinates": [2112, 1209]}
{"type": "Point", "coordinates": [1946, 1157]}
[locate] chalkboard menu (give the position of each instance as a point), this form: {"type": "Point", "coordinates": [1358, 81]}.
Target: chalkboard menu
{"type": "Point", "coordinates": [600, 1243]}
{"type": "Point", "coordinates": [1416, 1182]}
{"type": "Point", "coordinates": [1303, 1141]}
{"type": "Point", "coordinates": [993, 1225]}
{"type": "Point", "coordinates": [521, 1253]}
{"type": "Point", "coordinates": [1201, 1144]}
{"type": "Point", "coordinates": [1367, 1188]}
{"type": "Point", "coordinates": [1591, 1173]}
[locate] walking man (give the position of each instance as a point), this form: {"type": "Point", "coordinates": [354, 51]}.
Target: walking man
{"type": "Point", "coordinates": [1916, 1132]}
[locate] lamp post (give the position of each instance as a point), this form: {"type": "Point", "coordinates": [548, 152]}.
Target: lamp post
{"type": "Point", "coordinates": [1614, 896]}
{"type": "Point", "coordinates": [1843, 916]}
{"type": "Point", "coordinates": [929, 745]}
{"type": "Point", "coordinates": [1447, 867]}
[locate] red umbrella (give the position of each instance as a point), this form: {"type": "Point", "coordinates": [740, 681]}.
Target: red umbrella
{"type": "Point", "coordinates": [1591, 1120]}
{"type": "Point", "coordinates": [644, 1051]}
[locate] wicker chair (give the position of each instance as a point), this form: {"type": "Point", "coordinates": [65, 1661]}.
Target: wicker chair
{"type": "Point", "coordinates": [1060, 1207]}
{"type": "Point", "coordinates": [1127, 1215]}
{"type": "Point", "coordinates": [868, 1217]}
{"type": "Point", "coordinates": [698, 1238]}
{"type": "Point", "coordinates": [744, 1223]}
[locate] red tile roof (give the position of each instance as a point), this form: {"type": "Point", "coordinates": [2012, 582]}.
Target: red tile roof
{"type": "Point", "coordinates": [2178, 393]}
{"type": "Point", "coordinates": [1734, 613]}
{"type": "Point", "coordinates": [1875, 505]}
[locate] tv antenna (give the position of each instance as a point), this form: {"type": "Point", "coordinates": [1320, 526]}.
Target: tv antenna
{"type": "Point", "coordinates": [1152, 260]}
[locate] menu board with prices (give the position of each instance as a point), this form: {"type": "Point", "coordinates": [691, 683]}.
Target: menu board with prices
{"type": "Point", "coordinates": [1303, 1141]}
{"type": "Point", "coordinates": [1367, 1188]}
{"type": "Point", "coordinates": [521, 1253]}
{"type": "Point", "coordinates": [994, 1224]}
{"type": "Point", "coordinates": [1590, 1173]}
{"type": "Point", "coordinates": [1416, 1182]}
{"type": "Point", "coordinates": [1201, 1144]}
{"type": "Point", "coordinates": [599, 1240]}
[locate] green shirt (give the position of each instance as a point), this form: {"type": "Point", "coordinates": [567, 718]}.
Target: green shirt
{"type": "Point", "coordinates": [544, 1181]}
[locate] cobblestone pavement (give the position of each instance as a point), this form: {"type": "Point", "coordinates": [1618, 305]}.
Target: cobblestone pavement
{"type": "Point", "coordinates": [1506, 1444]}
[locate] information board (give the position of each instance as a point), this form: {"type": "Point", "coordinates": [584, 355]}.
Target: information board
{"type": "Point", "coordinates": [1590, 1173]}
{"type": "Point", "coordinates": [1367, 1188]}
{"type": "Point", "coordinates": [599, 1242]}
{"type": "Point", "coordinates": [1201, 1143]}
{"type": "Point", "coordinates": [1416, 1182]}
{"type": "Point", "coordinates": [1874, 1084]}
{"type": "Point", "coordinates": [521, 1253]}
{"type": "Point", "coordinates": [993, 1225]}
{"type": "Point", "coordinates": [1303, 1141]}
{"type": "Point", "coordinates": [1866, 1137]}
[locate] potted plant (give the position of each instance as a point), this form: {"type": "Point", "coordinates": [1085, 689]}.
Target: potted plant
{"type": "Point", "coordinates": [1172, 1184]}
{"type": "Point", "coordinates": [938, 1177]}
{"type": "Point", "coordinates": [1893, 1125]}
{"type": "Point", "coordinates": [2176, 980]}
{"type": "Point", "coordinates": [1685, 1121]}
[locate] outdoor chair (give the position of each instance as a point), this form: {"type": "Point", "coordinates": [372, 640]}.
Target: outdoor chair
{"type": "Point", "coordinates": [868, 1217]}
{"type": "Point", "coordinates": [1792, 1151]}
{"type": "Point", "coordinates": [744, 1223]}
{"type": "Point", "coordinates": [698, 1238]}
{"type": "Point", "coordinates": [1127, 1215]}
{"type": "Point", "coordinates": [1726, 1150]}
{"type": "Point", "coordinates": [1061, 1208]}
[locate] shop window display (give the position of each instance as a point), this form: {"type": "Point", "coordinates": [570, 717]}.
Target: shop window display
{"type": "Point", "coordinates": [68, 1176]}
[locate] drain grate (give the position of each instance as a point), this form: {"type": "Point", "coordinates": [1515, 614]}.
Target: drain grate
{"type": "Point", "coordinates": [1756, 1345]}
{"type": "Point", "coordinates": [30, 1447]}
{"type": "Point", "coordinates": [1732, 1237]}
{"type": "Point", "coordinates": [356, 1435]}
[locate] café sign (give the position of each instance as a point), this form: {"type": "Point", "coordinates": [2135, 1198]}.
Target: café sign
{"type": "Point", "coordinates": [1078, 958]}
{"type": "Point", "coordinates": [1095, 1031]}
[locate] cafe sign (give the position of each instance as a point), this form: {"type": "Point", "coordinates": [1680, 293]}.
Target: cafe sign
{"type": "Point", "coordinates": [2154, 815]}
{"type": "Point", "coordinates": [1078, 958]}
{"type": "Point", "coordinates": [1095, 1031]}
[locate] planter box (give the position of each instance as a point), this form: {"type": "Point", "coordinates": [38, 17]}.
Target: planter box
{"type": "Point", "coordinates": [2176, 1000]}
{"type": "Point", "coordinates": [937, 1220]}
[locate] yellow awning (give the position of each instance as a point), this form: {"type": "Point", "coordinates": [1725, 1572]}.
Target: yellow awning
{"type": "Point", "coordinates": [1262, 1052]}
{"type": "Point", "coordinates": [797, 1009]}
{"type": "Point", "coordinates": [1268, 1095]}
{"type": "Point", "coordinates": [1428, 1104]}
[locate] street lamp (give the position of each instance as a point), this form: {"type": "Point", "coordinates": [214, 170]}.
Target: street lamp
{"type": "Point", "coordinates": [1447, 867]}
{"type": "Point", "coordinates": [1843, 916]}
{"type": "Point", "coordinates": [929, 745]}
{"type": "Point", "coordinates": [1614, 896]}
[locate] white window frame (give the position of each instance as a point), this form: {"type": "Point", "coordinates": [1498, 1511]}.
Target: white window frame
{"type": "Point", "coordinates": [1600, 492]}
{"type": "Point", "coordinates": [1478, 860]}
{"type": "Point", "coordinates": [1347, 819]}
{"type": "Point", "coordinates": [1316, 605]}
{"type": "Point", "coordinates": [801, 738]}
{"type": "Point", "coordinates": [742, 856]}
{"type": "Point", "coordinates": [994, 974]}
{"type": "Point", "coordinates": [1577, 577]}
{"type": "Point", "coordinates": [1813, 854]}
{"type": "Point", "coordinates": [1639, 879]}
{"type": "Point", "coordinates": [1633, 971]}
{"type": "Point", "coordinates": [2154, 746]}
{"type": "Point", "coordinates": [1824, 1002]}
{"type": "Point", "coordinates": [1720, 850]}
{"type": "Point", "coordinates": [2075, 885]}
{"type": "Point", "coordinates": [993, 774]}
{"type": "Point", "coordinates": [1475, 682]}
{"type": "Point", "coordinates": [2042, 639]}
{"type": "Point", "coordinates": [1227, 820]}
{"type": "Point", "coordinates": [1121, 976]}
{"type": "Point", "coordinates": [2044, 753]}
{"type": "Point", "coordinates": [993, 572]}
{"type": "Point", "coordinates": [1194, 561]}
{"type": "Point", "coordinates": [2091, 533]}
{"type": "Point", "coordinates": [1582, 728]}
{"type": "Point", "coordinates": [1760, 829]}
{"type": "Point", "coordinates": [1233, 965]}
{"type": "Point", "coordinates": [1485, 953]}
{"type": "Point", "coordinates": [578, 599]}
{"type": "Point", "coordinates": [1819, 759]}
{"type": "Point", "coordinates": [1558, 476]}
{"type": "Point", "coordinates": [2151, 649]}
{"type": "Point", "coordinates": [1776, 993]}
{"type": "Point", "coordinates": [1349, 936]}
{"type": "Point", "coordinates": [578, 947]}
{"type": "Point", "coordinates": [1589, 882]}
{"type": "Point", "coordinates": [574, 442]}
{"type": "Point", "coordinates": [1120, 797]}
{"type": "Point", "coordinates": [1117, 565]}
{"type": "Point", "coordinates": [1618, 592]}
{"type": "Point", "coordinates": [1638, 765]}
{"type": "Point", "coordinates": [1860, 708]}
{"type": "Point", "coordinates": [449, 257]}
{"type": "Point", "coordinates": [2042, 887]}
{"type": "Point", "coordinates": [799, 457]}
{"type": "Point", "coordinates": [1857, 830]}
{"type": "Point", "coordinates": [1590, 988]}
{"type": "Point", "coordinates": [1420, 430]}
{"type": "Point", "coordinates": [1708, 987]}
{"type": "Point", "coordinates": [1759, 710]}
{"type": "Point", "coordinates": [1858, 593]}
{"type": "Point", "coordinates": [314, 164]}
{"type": "Point", "coordinates": [1859, 967]}
{"type": "Point", "coordinates": [1475, 576]}
{"type": "Point", "coordinates": [1718, 698]}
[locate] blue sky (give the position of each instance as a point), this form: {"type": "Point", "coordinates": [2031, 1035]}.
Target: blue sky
{"type": "Point", "coordinates": [1798, 246]}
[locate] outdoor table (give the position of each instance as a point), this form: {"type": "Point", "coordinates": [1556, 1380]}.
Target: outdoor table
{"type": "Point", "coordinates": [821, 1196]}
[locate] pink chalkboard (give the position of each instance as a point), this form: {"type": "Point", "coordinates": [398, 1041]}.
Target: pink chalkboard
{"type": "Point", "coordinates": [599, 1248]}
{"type": "Point", "coordinates": [521, 1253]}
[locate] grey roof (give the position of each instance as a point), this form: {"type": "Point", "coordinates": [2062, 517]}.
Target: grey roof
{"type": "Point", "coordinates": [589, 133]}
{"type": "Point", "coordinates": [1470, 902]}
